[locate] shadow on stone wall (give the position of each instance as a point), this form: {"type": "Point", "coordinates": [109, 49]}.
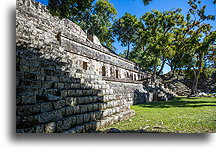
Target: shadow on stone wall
{"type": "Point", "coordinates": [49, 99]}
{"type": "Point", "coordinates": [140, 97]}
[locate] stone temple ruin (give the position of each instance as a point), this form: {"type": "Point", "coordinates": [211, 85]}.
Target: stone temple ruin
{"type": "Point", "coordinates": [67, 82]}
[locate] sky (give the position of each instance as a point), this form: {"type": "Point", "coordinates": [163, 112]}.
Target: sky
{"type": "Point", "coordinates": [136, 7]}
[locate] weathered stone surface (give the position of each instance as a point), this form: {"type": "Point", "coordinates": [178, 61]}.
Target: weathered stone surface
{"type": "Point", "coordinates": [47, 106]}
{"type": "Point", "coordinates": [59, 104]}
{"type": "Point", "coordinates": [50, 116]}
{"type": "Point", "coordinates": [50, 127]}
{"type": "Point", "coordinates": [39, 129]}
{"type": "Point", "coordinates": [26, 99]}
{"type": "Point", "coordinates": [60, 87]}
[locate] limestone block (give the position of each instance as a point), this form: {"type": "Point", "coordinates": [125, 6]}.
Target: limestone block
{"type": "Point", "coordinates": [24, 68]}
{"type": "Point", "coordinates": [90, 107]}
{"type": "Point", "coordinates": [29, 130]}
{"type": "Point", "coordinates": [27, 121]}
{"type": "Point", "coordinates": [39, 129]}
{"type": "Point", "coordinates": [58, 85]}
{"type": "Point", "coordinates": [67, 85]}
{"type": "Point", "coordinates": [103, 123]}
{"type": "Point", "coordinates": [27, 110]}
{"type": "Point", "coordinates": [50, 127]}
{"type": "Point", "coordinates": [65, 124]}
{"type": "Point", "coordinates": [83, 108]}
{"type": "Point", "coordinates": [50, 116]}
{"type": "Point", "coordinates": [30, 76]}
{"type": "Point", "coordinates": [98, 115]}
{"type": "Point", "coordinates": [95, 107]}
{"type": "Point", "coordinates": [94, 99]}
{"type": "Point", "coordinates": [20, 131]}
{"type": "Point", "coordinates": [70, 110]}
{"type": "Point", "coordinates": [47, 106]}
{"type": "Point", "coordinates": [40, 78]}
{"type": "Point", "coordinates": [58, 104]}
{"type": "Point", "coordinates": [73, 93]}
{"type": "Point", "coordinates": [88, 127]}
{"type": "Point", "coordinates": [80, 129]}
{"type": "Point", "coordinates": [71, 131]}
{"type": "Point", "coordinates": [68, 101]}
{"type": "Point", "coordinates": [26, 99]}
{"type": "Point", "coordinates": [53, 97]}
{"type": "Point", "coordinates": [92, 114]}
{"type": "Point", "coordinates": [64, 93]}
{"type": "Point", "coordinates": [86, 117]}
{"type": "Point", "coordinates": [79, 119]}
{"type": "Point", "coordinates": [77, 109]}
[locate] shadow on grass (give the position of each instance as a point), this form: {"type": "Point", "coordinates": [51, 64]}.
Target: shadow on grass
{"type": "Point", "coordinates": [178, 102]}
{"type": "Point", "coordinates": [115, 130]}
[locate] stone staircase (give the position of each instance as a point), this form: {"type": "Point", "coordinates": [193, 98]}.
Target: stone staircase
{"type": "Point", "coordinates": [97, 103]}
{"type": "Point", "coordinates": [74, 102]}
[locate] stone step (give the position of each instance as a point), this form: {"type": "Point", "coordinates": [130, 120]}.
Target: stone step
{"type": "Point", "coordinates": [100, 124]}
{"type": "Point", "coordinates": [92, 81]}
{"type": "Point", "coordinates": [71, 92]}
{"type": "Point", "coordinates": [83, 100]}
{"type": "Point", "coordinates": [108, 107]}
{"type": "Point", "coordinates": [76, 100]}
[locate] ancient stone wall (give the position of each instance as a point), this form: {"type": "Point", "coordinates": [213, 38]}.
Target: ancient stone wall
{"type": "Point", "coordinates": [67, 81]}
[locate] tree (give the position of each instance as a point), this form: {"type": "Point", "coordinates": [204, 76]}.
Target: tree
{"type": "Point", "coordinates": [146, 2]}
{"type": "Point", "coordinates": [123, 54]}
{"type": "Point", "coordinates": [197, 39]}
{"type": "Point", "coordinates": [142, 57]}
{"type": "Point", "coordinates": [95, 19]}
{"type": "Point", "coordinates": [210, 57]}
{"type": "Point", "coordinates": [100, 22]}
{"type": "Point", "coordinates": [125, 29]}
{"type": "Point", "coordinates": [155, 38]}
{"type": "Point", "coordinates": [69, 8]}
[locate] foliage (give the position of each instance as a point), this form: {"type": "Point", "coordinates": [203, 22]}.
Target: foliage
{"type": "Point", "coordinates": [210, 57]}
{"type": "Point", "coordinates": [69, 8]}
{"type": "Point", "coordinates": [197, 38]}
{"type": "Point", "coordinates": [182, 42]}
{"type": "Point", "coordinates": [125, 29]}
{"type": "Point", "coordinates": [100, 21]}
{"type": "Point", "coordinates": [123, 54]}
{"type": "Point", "coordinates": [156, 37]}
{"type": "Point", "coordinates": [208, 72]}
{"type": "Point", "coordinates": [146, 2]}
{"type": "Point", "coordinates": [143, 58]}
{"type": "Point", "coordinates": [180, 115]}
{"type": "Point", "coordinates": [96, 19]}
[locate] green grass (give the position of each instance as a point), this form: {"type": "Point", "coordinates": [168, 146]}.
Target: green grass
{"type": "Point", "coordinates": [180, 115]}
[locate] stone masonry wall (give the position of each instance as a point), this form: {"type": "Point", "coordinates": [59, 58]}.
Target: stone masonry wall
{"type": "Point", "coordinates": [66, 81]}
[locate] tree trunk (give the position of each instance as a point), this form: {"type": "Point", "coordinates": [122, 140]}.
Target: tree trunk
{"type": "Point", "coordinates": [128, 51]}
{"type": "Point", "coordinates": [178, 74]}
{"type": "Point", "coordinates": [196, 76]}
{"type": "Point", "coordinates": [155, 90]}
{"type": "Point", "coordinates": [162, 66]}
{"type": "Point", "coordinates": [173, 71]}
{"type": "Point", "coordinates": [194, 87]}
{"type": "Point", "coordinates": [155, 73]}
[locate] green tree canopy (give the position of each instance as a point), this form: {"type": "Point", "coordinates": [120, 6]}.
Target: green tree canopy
{"type": "Point", "coordinates": [69, 8]}
{"type": "Point", "coordinates": [125, 29]}
{"type": "Point", "coordinates": [155, 38]}
{"type": "Point", "coordinates": [94, 18]}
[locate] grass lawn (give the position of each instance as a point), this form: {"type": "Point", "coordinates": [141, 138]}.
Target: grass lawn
{"type": "Point", "coordinates": [180, 115]}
